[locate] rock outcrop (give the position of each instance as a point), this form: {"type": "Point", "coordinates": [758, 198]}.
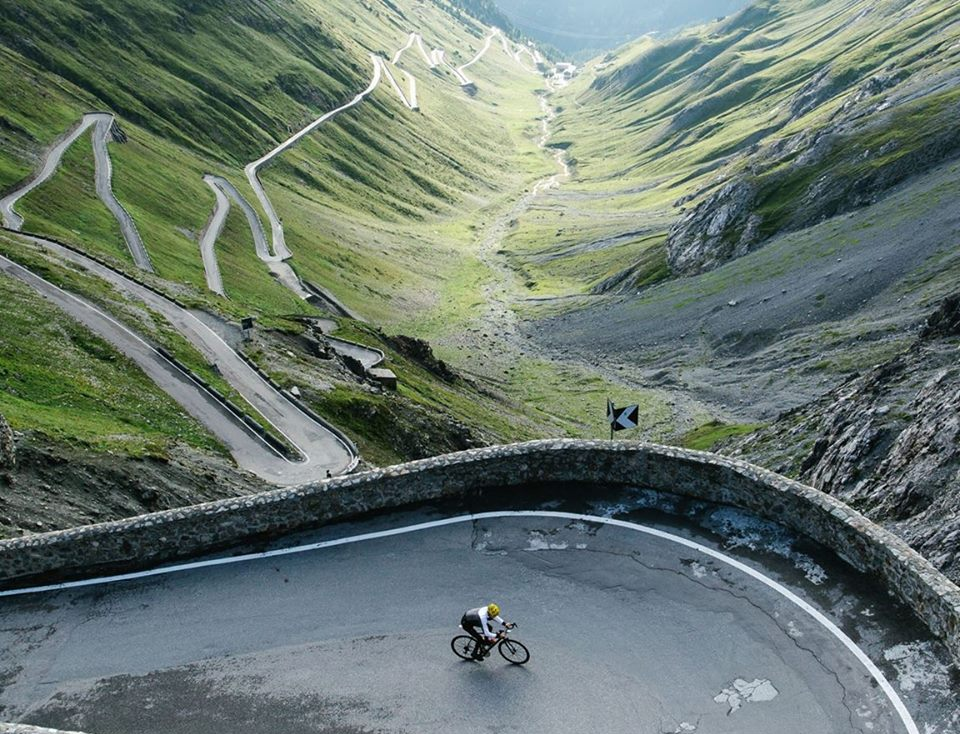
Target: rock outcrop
{"type": "Point", "coordinates": [890, 126]}
{"type": "Point", "coordinates": [8, 452]}
{"type": "Point", "coordinates": [722, 228]}
{"type": "Point", "coordinates": [421, 352]}
{"type": "Point", "coordinates": [887, 442]}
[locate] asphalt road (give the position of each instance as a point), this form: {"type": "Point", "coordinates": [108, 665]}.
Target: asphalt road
{"type": "Point", "coordinates": [321, 448]}
{"type": "Point", "coordinates": [629, 632]}
{"type": "Point", "coordinates": [209, 235]}
{"type": "Point", "coordinates": [232, 432]}
{"type": "Point", "coordinates": [252, 170]}
{"type": "Point", "coordinates": [51, 161]}
{"type": "Point", "coordinates": [102, 123]}
{"type": "Point", "coordinates": [369, 358]}
{"type": "Point", "coordinates": [104, 186]}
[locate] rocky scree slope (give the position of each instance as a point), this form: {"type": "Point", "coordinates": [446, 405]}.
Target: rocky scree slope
{"type": "Point", "coordinates": [886, 441]}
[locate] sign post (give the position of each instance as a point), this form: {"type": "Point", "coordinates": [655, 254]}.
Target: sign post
{"type": "Point", "coordinates": [246, 328]}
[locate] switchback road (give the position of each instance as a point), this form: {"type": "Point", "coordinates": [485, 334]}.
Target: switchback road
{"type": "Point", "coordinates": [632, 628]}
{"type": "Point", "coordinates": [321, 447]}
{"type": "Point", "coordinates": [102, 124]}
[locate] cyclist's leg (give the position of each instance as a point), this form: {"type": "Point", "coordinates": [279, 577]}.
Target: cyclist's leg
{"type": "Point", "coordinates": [474, 632]}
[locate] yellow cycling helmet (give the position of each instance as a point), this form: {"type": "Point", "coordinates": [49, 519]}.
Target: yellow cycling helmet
{"type": "Point", "coordinates": [493, 610]}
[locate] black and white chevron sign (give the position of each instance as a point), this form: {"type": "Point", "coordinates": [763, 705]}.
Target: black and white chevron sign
{"type": "Point", "coordinates": [621, 419]}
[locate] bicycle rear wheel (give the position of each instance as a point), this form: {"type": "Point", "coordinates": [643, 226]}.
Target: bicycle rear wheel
{"type": "Point", "coordinates": [464, 646]}
{"type": "Point", "coordinates": [513, 651]}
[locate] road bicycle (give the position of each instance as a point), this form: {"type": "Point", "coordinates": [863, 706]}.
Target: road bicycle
{"type": "Point", "coordinates": [512, 651]}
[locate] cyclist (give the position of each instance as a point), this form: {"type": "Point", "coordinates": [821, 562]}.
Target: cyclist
{"type": "Point", "coordinates": [476, 623]}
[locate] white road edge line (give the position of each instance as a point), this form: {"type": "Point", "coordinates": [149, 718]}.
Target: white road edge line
{"type": "Point", "coordinates": [132, 285]}
{"type": "Point", "coordinates": [818, 616]}
{"type": "Point", "coordinates": [136, 337]}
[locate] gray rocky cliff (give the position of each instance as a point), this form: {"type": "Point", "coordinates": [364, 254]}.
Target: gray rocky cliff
{"type": "Point", "coordinates": [722, 228]}
{"type": "Point", "coordinates": [887, 442]}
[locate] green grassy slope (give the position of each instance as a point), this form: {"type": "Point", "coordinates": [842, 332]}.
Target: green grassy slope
{"type": "Point", "coordinates": [217, 77]}
{"type": "Point", "coordinates": [82, 390]}
{"type": "Point", "coordinates": [274, 72]}
{"type": "Point", "coordinates": [378, 205]}
{"type": "Point", "coordinates": [816, 107]}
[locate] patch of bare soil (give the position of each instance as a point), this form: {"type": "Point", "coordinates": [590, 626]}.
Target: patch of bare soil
{"type": "Point", "coordinates": [52, 486]}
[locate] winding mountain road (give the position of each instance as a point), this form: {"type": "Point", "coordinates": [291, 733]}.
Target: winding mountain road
{"type": "Point", "coordinates": [459, 71]}
{"type": "Point", "coordinates": [684, 630]}
{"type": "Point", "coordinates": [252, 170]}
{"type": "Point", "coordinates": [102, 124]}
{"type": "Point", "coordinates": [321, 447]}
{"type": "Point", "coordinates": [210, 234]}
{"type": "Point", "coordinates": [49, 165]}
{"type": "Point", "coordinates": [410, 101]}
{"type": "Point", "coordinates": [281, 251]}
{"type": "Point", "coordinates": [430, 59]}
{"type": "Point", "coordinates": [245, 445]}
{"type": "Point", "coordinates": [280, 269]}
{"type": "Point", "coordinates": [104, 184]}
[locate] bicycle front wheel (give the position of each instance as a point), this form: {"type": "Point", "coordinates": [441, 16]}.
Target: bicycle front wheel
{"type": "Point", "coordinates": [464, 646]}
{"type": "Point", "coordinates": [513, 651]}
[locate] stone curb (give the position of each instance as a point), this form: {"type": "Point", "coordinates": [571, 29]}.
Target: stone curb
{"type": "Point", "coordinates": [148, 540]}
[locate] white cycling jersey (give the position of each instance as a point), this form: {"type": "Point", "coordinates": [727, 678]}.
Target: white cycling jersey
{"type": "Point", "coordinates": [485, 620]}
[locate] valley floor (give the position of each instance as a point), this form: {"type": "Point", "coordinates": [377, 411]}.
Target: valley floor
{"type": "Point", "coordinates": [782, 325]}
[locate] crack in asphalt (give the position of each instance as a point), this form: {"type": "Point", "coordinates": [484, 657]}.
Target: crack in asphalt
{"type": "Point", "coordinates": [830, 671]}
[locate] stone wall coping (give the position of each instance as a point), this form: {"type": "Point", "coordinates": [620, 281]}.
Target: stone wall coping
{"type": "Point", "coordinates": [148, 540]}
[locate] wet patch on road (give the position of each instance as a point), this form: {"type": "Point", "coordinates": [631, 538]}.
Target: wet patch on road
{"type": "Point", "coordinates": [919, 667]}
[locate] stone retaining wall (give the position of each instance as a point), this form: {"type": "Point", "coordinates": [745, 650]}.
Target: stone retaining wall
{"type": "Point", "coordinates": [174, 534]}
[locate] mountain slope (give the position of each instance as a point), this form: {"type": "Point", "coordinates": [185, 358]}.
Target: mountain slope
{"type": "Point", "coordinates": [602, 24]}
{"type": "Point", "coordinates": [378, 205]}
{"type": "Point", "coordinates": [886, 442]}
{"type": "Point", "coordinates": [211, 88]}
{"type": "Point", "coordinates": [701, 149]}
{"type": "Point", "coordinates": [764, 211]}
{"type": "Point", "coordinates": [784, 115]}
